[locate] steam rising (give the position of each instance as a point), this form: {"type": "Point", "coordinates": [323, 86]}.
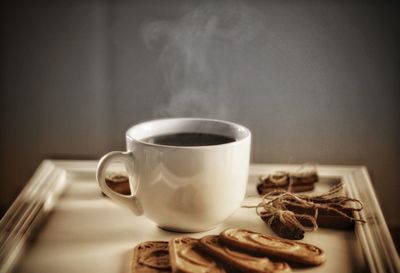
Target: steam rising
{"type": "Point", "coordinates": [195, 53]}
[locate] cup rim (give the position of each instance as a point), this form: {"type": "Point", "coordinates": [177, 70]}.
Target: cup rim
{"type": "Point", "coordinates": [242, 128]}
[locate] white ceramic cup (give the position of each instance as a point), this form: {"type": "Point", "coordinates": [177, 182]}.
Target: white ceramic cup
{"type": "Point", "coordinates": [182, 188]}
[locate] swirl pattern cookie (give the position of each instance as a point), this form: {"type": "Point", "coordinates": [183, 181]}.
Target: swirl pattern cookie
{"type": "Point", "coordinates": [151, 257]}
{"type": "Point", "coordinates": [186, 257]}
{"type": "Point", "coordinates": [272, 246]}
{"type": "Point", "coordinates": [240, 260]}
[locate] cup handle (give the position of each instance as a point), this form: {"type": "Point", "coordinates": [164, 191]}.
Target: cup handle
{"type": "Point", "coordinates": [127, 158]}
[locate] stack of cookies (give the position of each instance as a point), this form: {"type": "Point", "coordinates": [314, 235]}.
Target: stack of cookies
{"type": "Point", "coordinates": [300, 181]}
{"type": "Point", "coordinates": [233, 250]}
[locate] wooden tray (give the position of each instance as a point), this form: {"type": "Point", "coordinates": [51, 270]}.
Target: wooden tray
{"type": "Point", "coordinates": [61, 223]}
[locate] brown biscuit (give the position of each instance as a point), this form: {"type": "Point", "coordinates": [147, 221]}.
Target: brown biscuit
{"type": "Point", "coordinates": [321, 210]}
{"type": "Point", "coordinates": [151, 257]}
{"type": "Point", "coordinates": [187, 257]}
{"type": "Point", "coordinates": [283, 228]}
{"type": "Point", "coordinates": [118, 183]}
{"type": "Point", "coordinates": [335, 222]}
{"type": "Point", "coordinates": [310, 178]}
{"type": "Point", "coordinates": [239, 260]}
{"type": "Point", "coordinates": [258, 243]}
{"type": "Point", "coordinates": [281, 180]}
{"type": "Point", "coordinates": [263, 188]}
{"type": "Point", "coordinates": [326, 218]}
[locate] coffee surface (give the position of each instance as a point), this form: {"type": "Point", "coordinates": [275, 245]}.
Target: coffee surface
{"type": "Point", "coordinates": [189, 139]}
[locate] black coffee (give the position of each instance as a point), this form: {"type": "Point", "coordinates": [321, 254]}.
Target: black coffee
{"type": "Point", "coordinates": [189, 139]}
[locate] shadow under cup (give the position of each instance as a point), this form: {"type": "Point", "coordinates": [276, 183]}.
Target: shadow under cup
{"type": "Point", "coordinates": [190, 174]}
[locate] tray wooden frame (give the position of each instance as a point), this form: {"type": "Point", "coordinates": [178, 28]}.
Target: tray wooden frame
{"type": "Point", "coordinates": [41, 192]}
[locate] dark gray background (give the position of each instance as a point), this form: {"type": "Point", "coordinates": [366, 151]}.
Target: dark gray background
{"type": "Point", "coordinates": [314, 80]}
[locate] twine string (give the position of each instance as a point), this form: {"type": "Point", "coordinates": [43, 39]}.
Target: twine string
{"type": "Point", "coordinates": [274, 206]}
{"type": "Point", "coordinates": [280, 178]}
{"type": "Point", "coordinates": [287, 217]}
